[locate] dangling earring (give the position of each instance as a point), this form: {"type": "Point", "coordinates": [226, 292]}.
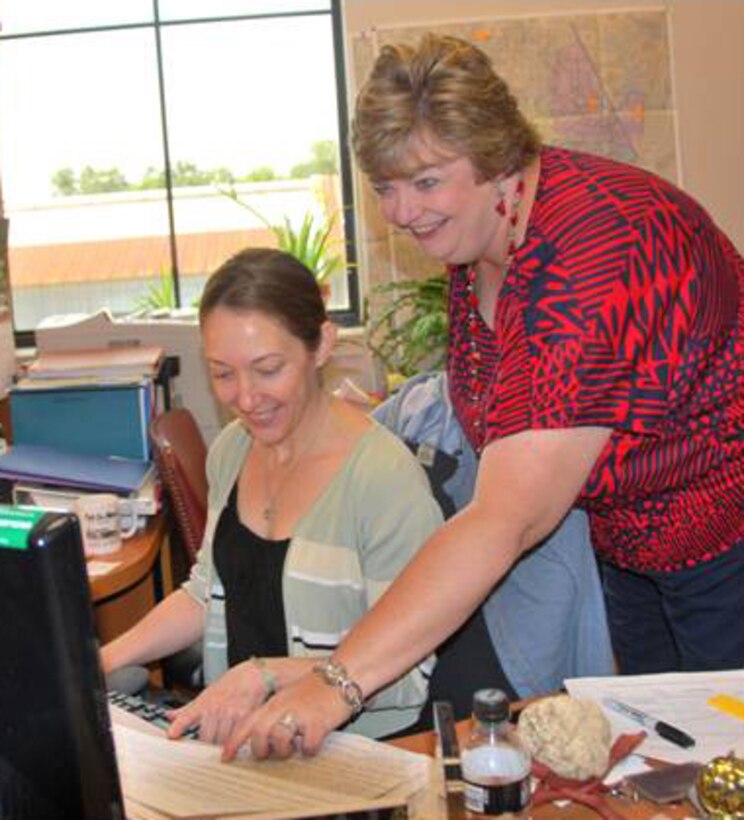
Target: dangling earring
{"type": "Point", "coordinates": [501, 204]}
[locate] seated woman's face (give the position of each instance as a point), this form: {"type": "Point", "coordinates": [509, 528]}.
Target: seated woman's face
{"type": "Point", "coordinates": [260, 371]}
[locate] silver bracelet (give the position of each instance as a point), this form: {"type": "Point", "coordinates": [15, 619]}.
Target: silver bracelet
{"type": "Point", "coordinates": [267, 676]}
{"type": "Point", "coordinates": [335, 674]}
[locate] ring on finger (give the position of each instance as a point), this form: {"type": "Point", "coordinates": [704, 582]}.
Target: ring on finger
{"type": "Point", "coordinates": [289, 722]}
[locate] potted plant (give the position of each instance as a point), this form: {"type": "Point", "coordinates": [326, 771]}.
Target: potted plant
{"type": "Point", "coordinates": [313, 243]}
{"type": "Point", "coordinates": [160, 296]}
{"type": "Point", "coordinates": [409, 329]}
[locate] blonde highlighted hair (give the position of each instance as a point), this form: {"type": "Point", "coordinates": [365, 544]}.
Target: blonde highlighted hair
{"type": "Point", "coordinates": [443, 92]}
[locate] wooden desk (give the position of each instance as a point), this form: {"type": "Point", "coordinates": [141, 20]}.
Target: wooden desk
{"type": "Point", "coordinates": [128, 592]}
{"type": "Point", "coordinates": [426, 806]}
{"type": "Point", "coordinates": [642, 810]}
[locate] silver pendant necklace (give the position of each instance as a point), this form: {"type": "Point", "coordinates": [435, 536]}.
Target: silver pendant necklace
{"type": "Point", "coordinates": [270, 509]}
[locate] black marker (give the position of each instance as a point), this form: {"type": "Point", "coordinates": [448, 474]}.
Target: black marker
{"type": "Point", "coordinates": [665, 730]}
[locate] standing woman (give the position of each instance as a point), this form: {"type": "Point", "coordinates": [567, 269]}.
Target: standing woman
{"type": "Point", "coordinates": [596, 359]}
{"type": "Point", "coordinates": [313, 510]}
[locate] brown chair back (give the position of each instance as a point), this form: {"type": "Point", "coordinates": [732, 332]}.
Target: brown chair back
{"type": "Point", "coordinates": [181, 455]}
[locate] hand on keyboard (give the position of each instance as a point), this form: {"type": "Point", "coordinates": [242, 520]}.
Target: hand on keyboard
{"type": "Point", "coordinates": [154, 713]}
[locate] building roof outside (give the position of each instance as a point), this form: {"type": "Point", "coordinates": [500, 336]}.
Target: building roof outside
{"type": "Point", "coordinates": [135, 258]}
{"type": "Point", "coordinates": [124, 236]}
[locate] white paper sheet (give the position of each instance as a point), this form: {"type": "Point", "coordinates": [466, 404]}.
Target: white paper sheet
{"type": "Point", "coordinates": [679, 698]}
{"type": "Point", "coordinates": [184, 779]}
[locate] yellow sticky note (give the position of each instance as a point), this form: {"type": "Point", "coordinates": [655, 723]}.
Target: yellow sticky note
{"type": "Point", "coordinates": [729, 705]}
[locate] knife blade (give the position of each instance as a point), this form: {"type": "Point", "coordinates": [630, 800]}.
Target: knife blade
{"type": "Point", "coordinates": [448, 749]}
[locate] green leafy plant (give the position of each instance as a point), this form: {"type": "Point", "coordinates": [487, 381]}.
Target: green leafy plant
{"type": "Point", "coordinates": [159, 295]}
{"type": "Point", "coordinates": [313, 243]}
{"type": "Point", "coordinates": [409, 331]}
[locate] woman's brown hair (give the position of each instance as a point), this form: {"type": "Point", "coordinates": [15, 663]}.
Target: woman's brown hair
{"type": "Point", "coordinates": [446, 89]}
{"type": "Point", "coordinates": [272, 282]}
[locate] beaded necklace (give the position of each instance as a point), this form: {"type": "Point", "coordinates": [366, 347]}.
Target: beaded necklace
{"type": "Point", "coordinates": [478, 385]}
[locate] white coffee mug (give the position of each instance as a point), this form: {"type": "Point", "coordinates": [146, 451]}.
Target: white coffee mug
{"type": "Point", "coordinates": [100, 518]}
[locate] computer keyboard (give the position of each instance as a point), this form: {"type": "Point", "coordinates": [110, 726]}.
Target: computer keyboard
{"type": "Point", "coordinates": [152, 712]}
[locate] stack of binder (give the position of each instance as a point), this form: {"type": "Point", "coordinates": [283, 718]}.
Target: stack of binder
{"type": "Point", "coordinates": [93, 402]}
{"type": "Point", "coordinates": [51, 478]}
{"type": "Point", "coordinates": [81, 422]}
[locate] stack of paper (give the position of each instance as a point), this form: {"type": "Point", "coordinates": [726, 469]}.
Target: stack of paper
{"type": "Point", "coordinates": [690, 701]}
{"type": "Point", "coordinates": [185, 779]}
{"type": "Point", "coordinates": [133, 363]}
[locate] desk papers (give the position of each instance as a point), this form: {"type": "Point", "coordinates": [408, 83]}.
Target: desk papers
{"type": "Point", "coordinates": [185, 779]}
{"type": "Point", "coordinates": [679, 698]}
{"type": "Point", "coordinates": [99, 363]}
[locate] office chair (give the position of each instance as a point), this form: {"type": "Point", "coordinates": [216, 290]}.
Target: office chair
{"type": "Point", "coordinates": [180, 455]}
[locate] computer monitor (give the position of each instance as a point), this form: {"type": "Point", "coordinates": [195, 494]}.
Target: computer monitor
{"type": "Point", "coordinates": [57, 758]}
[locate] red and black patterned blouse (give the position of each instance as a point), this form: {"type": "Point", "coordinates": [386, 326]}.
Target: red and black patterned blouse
{"type": "Point", "coordinates": [622, 308]}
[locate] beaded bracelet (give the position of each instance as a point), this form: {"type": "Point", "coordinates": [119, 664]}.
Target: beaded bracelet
{"type": "Point", "coordinates": [335, 674]}
{"type": "Point", "coordinates": [267, 676]}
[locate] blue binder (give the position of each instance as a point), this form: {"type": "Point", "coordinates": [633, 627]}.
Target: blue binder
{"type": "Point", "coordinates": [99, 420]}
{"type": "Point", "coordinates": [50, 465]}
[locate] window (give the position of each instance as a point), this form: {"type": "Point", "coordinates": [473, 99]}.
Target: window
{"type": "Point", "coordinates": [144, 141]}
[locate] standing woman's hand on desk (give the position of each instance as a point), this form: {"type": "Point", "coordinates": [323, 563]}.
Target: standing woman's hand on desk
{"type": "Point", "coordinates": [223, 705]}
{"type": "Point", "coordinates": [275, 731]}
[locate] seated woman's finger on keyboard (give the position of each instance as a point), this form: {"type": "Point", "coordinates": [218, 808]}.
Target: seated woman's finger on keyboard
{"type": "Point", "coordinates": [183, 719]}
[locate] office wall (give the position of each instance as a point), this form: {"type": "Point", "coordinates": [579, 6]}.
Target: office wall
{"type": "Point", "coordinates": [7, 348]}
{"type": "Point", "coordinates": [707, 75]}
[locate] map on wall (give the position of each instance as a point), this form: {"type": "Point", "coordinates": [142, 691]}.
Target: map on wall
{"type": "Point", "coordinates": [597, 82]}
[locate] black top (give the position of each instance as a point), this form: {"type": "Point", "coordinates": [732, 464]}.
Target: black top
{"type": "Point", "coordinates": [250, 568]}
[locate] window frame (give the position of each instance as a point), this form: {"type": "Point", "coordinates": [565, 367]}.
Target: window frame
{"type": "Point", "coordinates": [348, 317]}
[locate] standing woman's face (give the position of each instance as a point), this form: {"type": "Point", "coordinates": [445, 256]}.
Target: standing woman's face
{"type": "Point", "coordinates": [260, 371]}
{"type": "Point", "coordinates": [442, 206]}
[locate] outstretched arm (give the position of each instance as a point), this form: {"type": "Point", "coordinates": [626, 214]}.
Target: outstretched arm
{"type": "Point", "coordinates": [174, 624]}
{"type": "Point", "coordinates": [526, 484]}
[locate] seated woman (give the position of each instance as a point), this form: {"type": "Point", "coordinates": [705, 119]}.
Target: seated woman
{"type": "Point", "coordinates": [314, 508]}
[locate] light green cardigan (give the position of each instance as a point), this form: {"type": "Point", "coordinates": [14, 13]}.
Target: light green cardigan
{"type": "Point", "coordinates": [343, 554]}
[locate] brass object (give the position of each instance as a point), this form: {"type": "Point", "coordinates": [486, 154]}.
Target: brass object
{"type": "Point", "coordinates": [720, 788]}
